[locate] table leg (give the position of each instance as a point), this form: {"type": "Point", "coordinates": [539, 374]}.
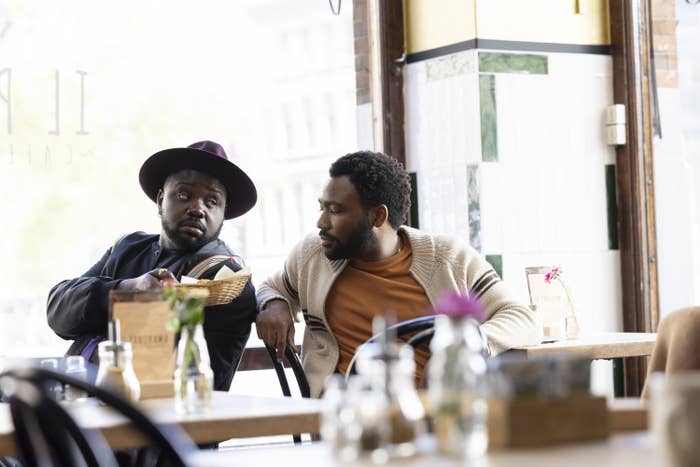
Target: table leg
{"type": "Point", "coordinates": [628, 376]}
{"type": "Point", "coordinates": [618, 377]}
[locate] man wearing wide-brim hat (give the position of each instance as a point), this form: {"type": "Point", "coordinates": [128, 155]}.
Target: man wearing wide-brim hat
{"type": "Point", "coordinates": [195, 188]}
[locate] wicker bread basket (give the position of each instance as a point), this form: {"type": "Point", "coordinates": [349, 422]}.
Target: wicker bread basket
{"type": "Point", "coordinates": [220, 291]}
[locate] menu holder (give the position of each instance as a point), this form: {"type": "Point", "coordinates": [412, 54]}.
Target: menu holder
{"type": "Point", "coordinates": [549, 301]}
{"type": "Point", "coordinates": [536, 421]}
{"type": "Point", "coordinates": [143, 316]}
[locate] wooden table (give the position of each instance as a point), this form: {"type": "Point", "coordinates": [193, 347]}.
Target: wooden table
{"type": "Point", "coordinates": [231, 416]}
{"type": "Point", "coordinates": [609, 345]}
{"type": "Point", "coordinates": [629, 449]}
{"type": "Point", "coordinates": [595, 346]}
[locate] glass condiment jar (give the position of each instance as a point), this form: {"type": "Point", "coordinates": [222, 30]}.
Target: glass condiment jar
{"type": "Point", "coordinates": [55, 388]}
{"type": "Point", "coordinates": [340, 426]}
{"type": "Point", "coordinates": [75, 367]}
{"type": "Point", "coordinates": [406, 412]}
{"type": "Point", "coordinates": [391, 404]}
{"type": "Point", "coordinates": [116, 371]}
{"type": "Point", "coordinates": [371, 410]}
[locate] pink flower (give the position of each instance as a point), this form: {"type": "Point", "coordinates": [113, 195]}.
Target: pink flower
{"type": "Point", "coordinates": [457, 305]}
{"type": "Point", "coordinates": [553, 273]}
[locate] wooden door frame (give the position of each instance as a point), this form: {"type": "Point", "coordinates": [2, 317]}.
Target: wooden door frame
{"type": "Point", "coordinates": [630, 31]}
{"type": "Point", "coordinates": [387, 57]}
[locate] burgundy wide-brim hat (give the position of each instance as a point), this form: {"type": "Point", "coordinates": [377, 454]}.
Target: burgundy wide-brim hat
{"type": "Point", "coordinates": [207, 157]}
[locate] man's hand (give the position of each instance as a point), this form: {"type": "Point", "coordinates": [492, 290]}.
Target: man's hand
{"type": "Point", "coordinates": [275, 326]}
{"type": "Point", "coordinates": [152, 280]}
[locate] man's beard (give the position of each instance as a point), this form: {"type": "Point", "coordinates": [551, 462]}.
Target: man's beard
{"type": "Point", "coordinates": [361, 239]}
{"type": "Point", "coordinates": [185, 242]}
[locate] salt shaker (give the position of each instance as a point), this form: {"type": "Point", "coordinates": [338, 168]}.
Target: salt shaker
{"type": "Point", "coordinates": [396, 412]}
{"type": "Point", "coordinates": [116, 371]}
{"type": "Point", "coordinates": [340, 426]}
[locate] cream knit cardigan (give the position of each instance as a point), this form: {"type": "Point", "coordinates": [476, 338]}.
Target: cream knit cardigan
{"type": "Point", "coordinates": [440, 263]}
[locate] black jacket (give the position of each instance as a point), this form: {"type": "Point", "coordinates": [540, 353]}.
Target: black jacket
{"type": "Point", "coordinates": [78, 308]}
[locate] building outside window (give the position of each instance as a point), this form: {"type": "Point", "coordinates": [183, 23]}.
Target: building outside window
{"type": "Point", "coordinates": [88, 91]}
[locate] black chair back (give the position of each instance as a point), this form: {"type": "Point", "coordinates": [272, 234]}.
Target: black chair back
{"type": "Point", "coordinates": [415, 327]}
{"type": "Point", "coordinates": [46, 435]}
{"type": "Point", "coordinates": [28, 391]}
{"type": "Point", "coordinates": [295, 363]}
{"type": "Point", "coordinates": [421, 338]}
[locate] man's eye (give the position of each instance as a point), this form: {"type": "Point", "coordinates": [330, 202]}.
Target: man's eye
{"type": "Point", "coordinates": [331, 209]}
{"type": "Point", "coordinates": [212, 202]}
{"type": "Point", "coordinates": [181, 195]}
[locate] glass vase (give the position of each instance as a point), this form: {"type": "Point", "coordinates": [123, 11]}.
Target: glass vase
{"type": "Point", "coordinates": [573, 330]}
{"type": "Point", "coordinates": [194, 378]}
{"type": "Point", "coordinates": [456, 373]}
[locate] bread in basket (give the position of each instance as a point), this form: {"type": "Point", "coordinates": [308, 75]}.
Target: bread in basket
{"type": "Point", "coordinates": [224, 288]}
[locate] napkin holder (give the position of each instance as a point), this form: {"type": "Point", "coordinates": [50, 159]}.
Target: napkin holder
{"type": "Point", "coordinates": [143, 316]}
{"type": "Point", "coordinates": [535, 421]}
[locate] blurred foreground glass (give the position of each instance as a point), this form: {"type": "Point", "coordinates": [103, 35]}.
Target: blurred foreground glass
{"type": "Point", "coordinates": [75, 367]}
{"type": "Point", "coordinates": [390, 411]}
{"type": "Point", "coordinates": [456, 373]}
{"type": "Point", "coordinates": [378, 413]}
{"type": "Point", "coordinates": [340, 426]}
{"type": "Point", "coordinates": [56, 389]}
{"type": "Point", "coordinates": [675, 416]}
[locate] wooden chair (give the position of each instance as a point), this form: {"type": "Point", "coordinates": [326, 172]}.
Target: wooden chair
{"type": "Point", "coordinates": [677, 345]}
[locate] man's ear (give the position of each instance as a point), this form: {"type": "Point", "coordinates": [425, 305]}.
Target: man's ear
{"type": "Point", "coordinates": [379, 215]}
{"type": "Point", "coordinates": [159, 200]}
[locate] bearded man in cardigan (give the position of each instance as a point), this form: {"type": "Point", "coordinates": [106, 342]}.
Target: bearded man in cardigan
{"type": "Point", "coordinates": [365, 261]}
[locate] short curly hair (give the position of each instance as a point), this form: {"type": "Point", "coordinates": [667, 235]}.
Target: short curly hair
{"type": "Point", "coordinates": [379, 179]}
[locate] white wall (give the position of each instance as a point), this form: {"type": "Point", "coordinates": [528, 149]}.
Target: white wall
{"type": "Point", "coordinates": [543, 202]}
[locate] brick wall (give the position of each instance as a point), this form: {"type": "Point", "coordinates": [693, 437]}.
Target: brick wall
{"type": "Point", "coordinates": [361, 51]}
{"type": "Point", "coordinates": [663, 14]}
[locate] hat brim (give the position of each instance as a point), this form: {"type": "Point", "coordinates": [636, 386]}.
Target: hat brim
{"type": "Point", "coordinates": [241, 194]}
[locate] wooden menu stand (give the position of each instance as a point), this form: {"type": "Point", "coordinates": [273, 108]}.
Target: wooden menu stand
{"type": "Point", "coordinates": [534, 421]}
{"type": "Point", "coordinates": [142, 316]}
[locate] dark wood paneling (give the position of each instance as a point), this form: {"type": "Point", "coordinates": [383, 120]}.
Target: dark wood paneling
{"type": "Point", "coordinates": [392, 59]}
{"type": "Point", "coordinates": [629, 27]}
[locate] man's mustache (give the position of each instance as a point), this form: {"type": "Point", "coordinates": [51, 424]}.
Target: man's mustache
{"type": "Point", "coordinates": [324, 234]}
{"type": "Point", "coordinates": [192, 223]}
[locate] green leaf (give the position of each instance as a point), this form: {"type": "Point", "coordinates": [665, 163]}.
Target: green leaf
{"type": "Point", "coordinates": [187, 308]}
{"type": "Point", "coordinates": [172, 324]}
